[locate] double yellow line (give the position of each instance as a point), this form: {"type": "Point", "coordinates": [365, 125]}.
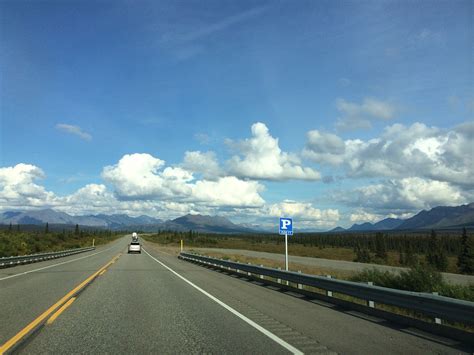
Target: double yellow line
{"type": "Point", "coordinates": [62, 304]}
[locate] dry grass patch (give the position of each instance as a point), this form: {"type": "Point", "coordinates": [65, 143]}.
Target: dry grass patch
{"type": "Point", "coordinates": [311, 270]}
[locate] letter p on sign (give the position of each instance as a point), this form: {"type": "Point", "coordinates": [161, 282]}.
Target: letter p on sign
{"type": "Point", "coordinates": [286, 226]}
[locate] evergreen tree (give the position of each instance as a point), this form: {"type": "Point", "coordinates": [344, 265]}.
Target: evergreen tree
{"type": "Point", "coordinates": [410, 257]}
{"type": "Point", "coordinates": [46, 229]}
{"type": "Point", "coordinates": [18, 227]}
{"type": "Point", "coordinates": [10, 227]}
{"type": "Point", "coordinates": [401, 256]}
{"type": "Point", "coordinates": [466, 257]}
{"type": "Point", "coordinates": [380, 247]}
{"type": "Point", "coordinates": [436, 256]}
{"type": "Point", "coordinates": [362, 254]}
{"type": "Point", "coordinates": [432, 246]}
{"type": "Point", "coordinates": [76, 231]}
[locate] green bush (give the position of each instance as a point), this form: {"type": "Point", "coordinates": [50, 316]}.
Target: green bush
{"type": "Point", "coordinates": [379, 278]}
{"type": "Point", "coordinates": [419, 278]}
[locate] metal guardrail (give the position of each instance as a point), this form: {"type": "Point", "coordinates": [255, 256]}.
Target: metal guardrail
{"type": "Point", "coordinates": [429, 304]}
{"type": "Point", "coordinates": [33, 258]}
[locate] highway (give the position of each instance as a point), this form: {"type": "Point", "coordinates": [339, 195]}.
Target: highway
{"type": "Point", "coordinates": [155, 303]}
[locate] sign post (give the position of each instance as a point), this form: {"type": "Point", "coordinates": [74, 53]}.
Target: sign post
{"type": "Point", "coordinates": [286, 228]}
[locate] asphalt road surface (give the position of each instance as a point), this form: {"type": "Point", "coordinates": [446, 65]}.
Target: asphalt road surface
{"type": "Point", "coordinates": [155, 303]}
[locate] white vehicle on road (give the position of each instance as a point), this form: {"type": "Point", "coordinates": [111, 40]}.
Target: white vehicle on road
{"type": "Point", "coordinates": [134, 247]}
{"type": "Point", "coordinates": [135, 237]}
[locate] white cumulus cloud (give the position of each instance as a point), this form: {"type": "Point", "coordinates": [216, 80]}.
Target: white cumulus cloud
{"type": "Point", "coordinates": [364, 216]}
{"type": "Point", "coordinates": [404, 195]}
{"type": "Point", "coordinates": [18, 187]}
{"type": "Point", "coordinates": [140, 177]}
{"type": "Point", "coordinates": [401, 151]}
{"type": "Point", "coordinates": [228, 191]}
{"type": "Point", "coordinates": [303, 210]}
{"type": "Point", "coordinates": [356, 116]}
{"type": "Point", "coordinates": [204, 163]}
{"type": "Point", "coordinates": [324, 148]}
{"type": "Point", "coordinates": [261, 158]}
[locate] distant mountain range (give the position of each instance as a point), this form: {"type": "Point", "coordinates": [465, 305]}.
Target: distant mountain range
{"type": "Point", "coordinates": [201, 223]}
{"type": "Point", "coordinates": [436, 218]}
{"type": "Point", "coordinates": [213, 224]}
{"type": "Point", "coordinates": [441, 217]}
{"type": "Point", "coordinates": [115, 221]}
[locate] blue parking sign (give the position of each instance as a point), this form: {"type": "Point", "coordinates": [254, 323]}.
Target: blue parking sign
{"type": "Point", "coordinates": [286, 226]}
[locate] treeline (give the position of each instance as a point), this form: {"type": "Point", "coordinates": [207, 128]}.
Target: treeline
{"type": "Point", "coordinates": [449, 242]}
{"type": "Point", "coordinates": [432, 247]}
{"type": "Point", "coordinates": [17, 241]}
{"type": "Point", "coordinates": [431, 250]}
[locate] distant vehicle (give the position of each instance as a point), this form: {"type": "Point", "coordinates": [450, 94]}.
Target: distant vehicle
{"type": "Point", "coordinates": [134, 247]}
{"type": "Point", "coordinates": [135, 237]}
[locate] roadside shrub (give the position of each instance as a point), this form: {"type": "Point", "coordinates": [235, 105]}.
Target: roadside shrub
{"type": "Point", "coordinates": [457, 291]}
{"type": "Point", "coordinates": [379, 278]}
{"type": "Point", "coordinates": [419, 278]}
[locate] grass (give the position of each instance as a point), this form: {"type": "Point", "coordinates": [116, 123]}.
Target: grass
{"type": "Point", "coordinates": [275, 264]}
{"type": "Point", "coordinates": [13, 243]}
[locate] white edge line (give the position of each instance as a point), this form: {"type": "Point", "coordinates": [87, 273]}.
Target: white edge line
{"type": "Point", "coordinates": [49, 266]}
{"type": "Point", "coordinates": [269, 334]}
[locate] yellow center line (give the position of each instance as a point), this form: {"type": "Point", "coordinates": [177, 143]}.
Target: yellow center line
{"type": "Point", "coordinates": [60, 310]}
{"type": "Point", "coordinates": [22, 333]}
{"type": "Point", "coordinates": [102, 272]}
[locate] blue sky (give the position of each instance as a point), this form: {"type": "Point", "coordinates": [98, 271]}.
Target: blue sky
{"type": "Point", "coordinates": [387, 86]}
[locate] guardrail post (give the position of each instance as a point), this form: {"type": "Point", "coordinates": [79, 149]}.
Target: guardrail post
{"type": "Point", "coordinates": [329, 293]}
{"type": "Point", "coordinates": [279, 280]}
{"type": "Point", "coordinates": [248, 273]}
{"type": "Point", "coordinates": [300, 286]}
{"type": "Point", "coordinates": [437, 320]}
{"type": "Point", "coordinates": [261, 276]}
{"type": "Point", "coordinates": [371, 304]}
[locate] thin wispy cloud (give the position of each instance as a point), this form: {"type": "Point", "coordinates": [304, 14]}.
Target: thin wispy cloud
{"type": "Point", "coordinates": [221, 25]}
{"type": "Point", "coordinates": [76, 130]}
{"type": "Point", "coordinates": [202, 138]}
